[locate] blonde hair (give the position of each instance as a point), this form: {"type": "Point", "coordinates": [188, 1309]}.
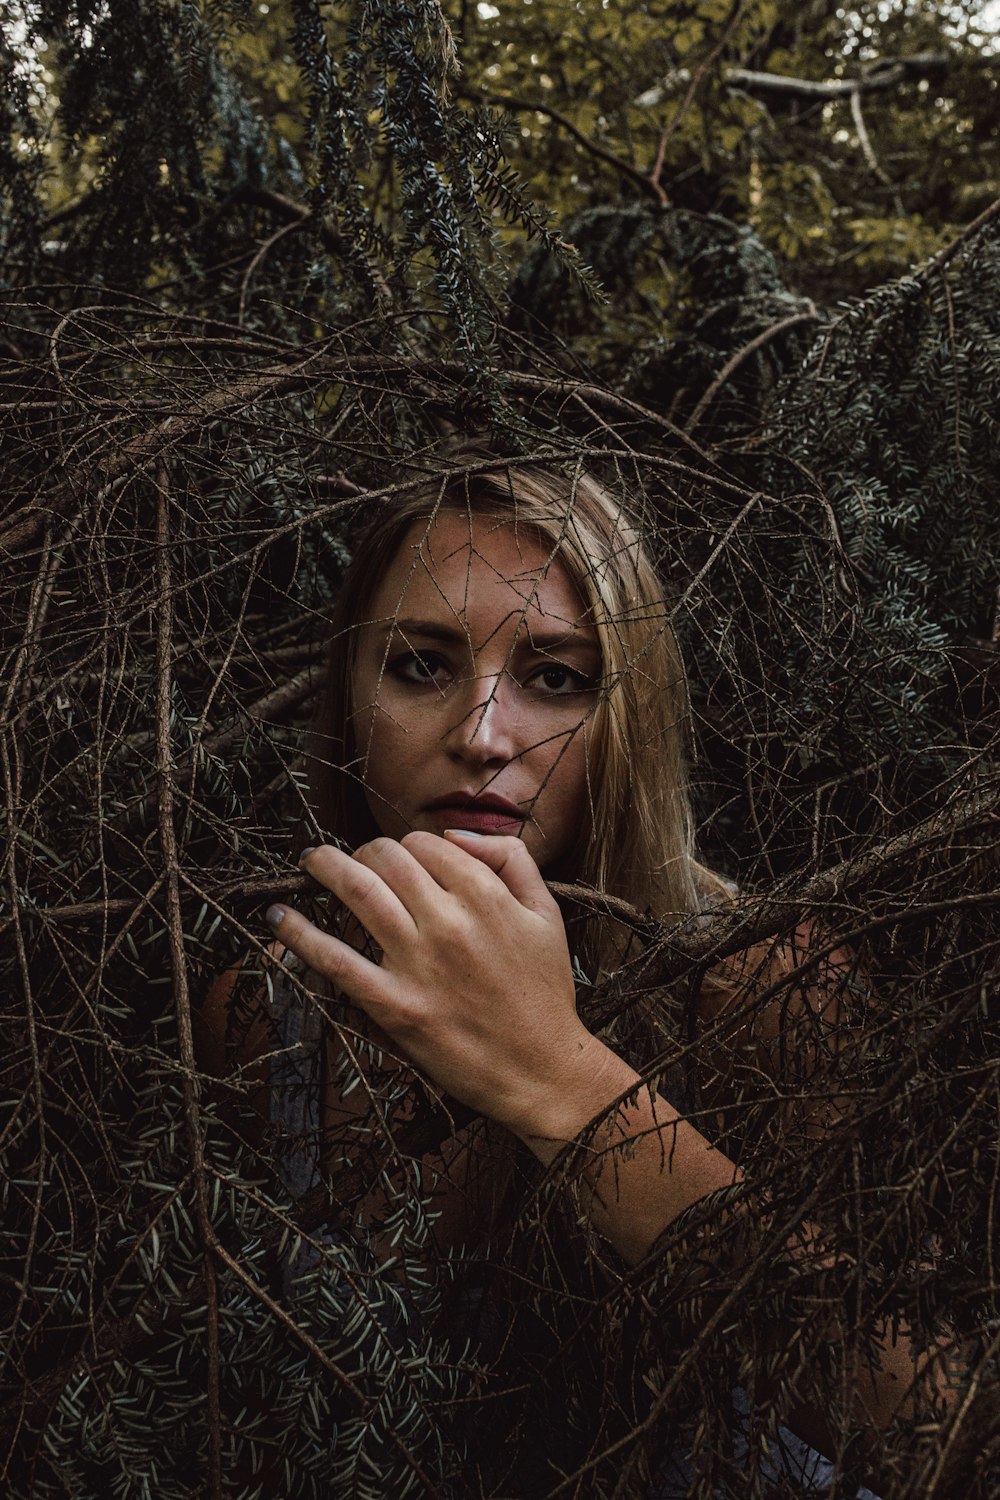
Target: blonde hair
{"type": "Point", "coordinates": [638, 841]}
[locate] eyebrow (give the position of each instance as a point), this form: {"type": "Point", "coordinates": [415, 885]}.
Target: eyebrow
{"type": "Point", "coordinates": [433, 630]}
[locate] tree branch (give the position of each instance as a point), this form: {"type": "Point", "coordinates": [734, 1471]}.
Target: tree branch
{"type": "Point", "coordinates": [132, 457]}
{"type": "Point", "coordinates": [756, 918]}
{"type": "Point", "coordinates": [940, 260]}
{"type": "Point", "coordinates": [740, 926]}
{"type": "Point", "coordinates": [647, 185]}
{"type": "Point", "coordinates": [246, 388]}
{"type": "Point", "coordinates": [887, 75]}
{"type": "Point", "coordinates": [166, 778]}
{"type": "Point", "coordinates": [735, 360]}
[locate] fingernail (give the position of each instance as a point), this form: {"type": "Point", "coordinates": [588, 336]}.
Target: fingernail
{"type": "Point", "coordinates": [274, 915]}
{"type": "Point", "coordinates": [468, 833]}
{"type": "Point", "coordinates": [306, 853]}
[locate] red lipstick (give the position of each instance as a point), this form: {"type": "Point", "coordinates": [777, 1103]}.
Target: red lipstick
{"type": "Point", "coordinates": [483, 814]}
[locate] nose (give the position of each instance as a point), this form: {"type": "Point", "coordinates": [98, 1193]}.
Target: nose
{"type": "Point", "coordinates": [483, 729]}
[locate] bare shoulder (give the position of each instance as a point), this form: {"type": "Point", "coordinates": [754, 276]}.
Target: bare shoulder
{"type": "Point", "coordinates": [780, 1016]}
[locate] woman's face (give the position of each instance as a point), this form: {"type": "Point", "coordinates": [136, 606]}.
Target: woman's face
{"type": "Point", "coordinates": [473, 685]}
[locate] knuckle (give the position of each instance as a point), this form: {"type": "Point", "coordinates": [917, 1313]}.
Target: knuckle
{"type": "Point", "coordinates": [419, 839]}
{"type": "Point", "coordinates": [407, 1014]}
{"type": "Point", "coordinates": [332, 965]}
{"type": "Point", "coordinates": [484, 885]}
{"type": "Point", "coordinates": [365, 854]}
{"type": "Point", "coordinates": [364, 883]}
{"type": "Point", "coordinates": [451, 920]}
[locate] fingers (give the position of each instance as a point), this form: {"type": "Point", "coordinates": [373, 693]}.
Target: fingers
{"type": "Point", "coordinates": [394, 888]}
{"type": "Point", "coordinates": [363, 891]}
{"type": "Point", "coordinates": [446, 865]}
{"type": "Point", "coordinates": [358, 978]}
{"type": "Point", "coordinates": [414, 882]}
{"type": "Point", "coordinates": [509, 859]}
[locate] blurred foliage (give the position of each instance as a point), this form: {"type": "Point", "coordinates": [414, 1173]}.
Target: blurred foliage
{"type": "Point", "coordinates": [668, 89]}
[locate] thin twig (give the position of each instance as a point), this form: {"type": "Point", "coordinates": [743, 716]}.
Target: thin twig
{"type": "Point", "coordinates": [752, 920]}
{"type": "Point", "coordinates": [264, 710]}
{"type": "Point", "coordinates": [137, 454]}
{"type": "Point", "coordinates": [127, 460]}
{"type": "Point", "coordinates": [696, 77]}
{"type": "Point", "coordinates": [735, 927]}
{"type": "Point", "coordinates": [735, 360]}
{"type": "Point", "coordinates": [268, 244]}
{"type": "Point", "coordinates": [941, 259]}
{"type": "Point", "coordinates": [182, 1000]}
{"type": "Point", "coordinates": [507, 101]}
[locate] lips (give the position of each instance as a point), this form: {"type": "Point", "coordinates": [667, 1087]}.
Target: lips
{"type": "Point", "coordinates": [484, 814]}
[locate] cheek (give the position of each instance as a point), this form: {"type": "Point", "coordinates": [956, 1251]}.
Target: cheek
{"type": "Point", "coordinates": [387, 735]}
{"type": "Point", "coordinates": [566, 777]}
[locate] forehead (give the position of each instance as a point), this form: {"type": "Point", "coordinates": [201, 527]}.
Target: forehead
{"type": "Point", "coordinates": [480, 570]}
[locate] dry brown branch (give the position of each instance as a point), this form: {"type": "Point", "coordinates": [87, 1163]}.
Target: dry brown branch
{"type": "Point", "coordinates": [134, 457]}
{"type": "Point", "coordinates": [151, 636]}
{"type": "Point", "coordinates": [671, 128]}
{"type": "Point", "coordinates": [747, 922]}
{"type": "Point", "coordinates": [138, 453]}
{"type": "Point", "coordinates": [166, 776]}
{"type": "Point", "coordinates": [264, 711]}
{"type": "Point", "coordinates": [753, 919]}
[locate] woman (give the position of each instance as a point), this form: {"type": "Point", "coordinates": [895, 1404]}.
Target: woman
{"type": "Point", "coordinates": [506, 704]}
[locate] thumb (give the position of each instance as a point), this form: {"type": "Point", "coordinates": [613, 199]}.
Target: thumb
{"type": "Point", "coordinates": [510, 860]}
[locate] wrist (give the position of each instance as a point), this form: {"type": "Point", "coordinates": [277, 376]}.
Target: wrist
{"type": "Point", "coordinates": [593, 1079]}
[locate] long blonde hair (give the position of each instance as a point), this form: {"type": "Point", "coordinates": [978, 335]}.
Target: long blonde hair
{"type": "Point", "coordinates": [638, 841]}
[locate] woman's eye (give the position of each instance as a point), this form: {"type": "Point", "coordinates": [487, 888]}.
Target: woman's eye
{"type": "Point", "coordinates": [559, 680]}
{"type": "Point", "coordinates": [423, 667]}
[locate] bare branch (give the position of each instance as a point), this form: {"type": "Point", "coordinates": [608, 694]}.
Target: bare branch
{"type": "Point", "coordinates": [886, 76]}
{"type": "Point", "coordinates": [182, 1000]}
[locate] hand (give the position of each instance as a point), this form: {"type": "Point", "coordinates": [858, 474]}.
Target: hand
{"type": "Point", "coordinates": [475, 984]}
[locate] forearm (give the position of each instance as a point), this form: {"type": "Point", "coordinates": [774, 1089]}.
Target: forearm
{"type": "Point", "coordinates": [644, 1165]}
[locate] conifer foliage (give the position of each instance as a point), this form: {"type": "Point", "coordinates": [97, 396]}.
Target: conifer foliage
{"type": "Point", "coordinates": [255, 264]}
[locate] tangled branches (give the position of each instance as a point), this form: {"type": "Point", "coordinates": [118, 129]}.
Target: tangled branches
{"type": "Point", "coordinates": [183, 497]}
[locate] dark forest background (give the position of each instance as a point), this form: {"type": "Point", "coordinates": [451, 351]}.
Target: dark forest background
{"type": "Point", "coordinates": [740, 257]}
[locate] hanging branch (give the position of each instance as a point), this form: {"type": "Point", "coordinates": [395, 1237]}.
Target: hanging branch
{"type": "Point", "coordinates": [734, 362]}
{"type": "Point", "coordinates": [646, 185]}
